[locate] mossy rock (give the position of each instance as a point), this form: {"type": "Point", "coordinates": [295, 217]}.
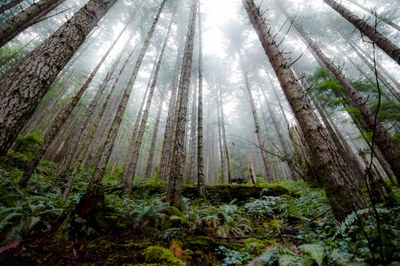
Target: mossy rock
{"type": "Point", "coordinates": [242, 193]}
{"type": "Point", "coordinates": [162, 256]}
{"type": "Point", "coordinates": [201, 242]}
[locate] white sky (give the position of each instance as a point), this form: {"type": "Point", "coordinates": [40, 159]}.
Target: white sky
{"type": "Point", "coordinates": [215, 13]}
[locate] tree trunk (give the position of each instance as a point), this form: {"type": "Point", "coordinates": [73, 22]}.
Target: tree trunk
{"type": "Point", "coordinates": [131, 167]}
{"type": "Point", "coordinates": [381, 41]}
{"type": "Point", "coordinates": [266, 163]}
{"type": "Point", "coordinates": [384, 81]}
{"type": "Point", "coordinates": [176, 174]}
{"type": "Point", "coordinates": [26, 18]}
{"type": "Point", "coordinates": [165, 164]}
{"type": "Point", "coordinates": [283, 142]}
{"type": "Point", "coordinates": [25, 85]}
{"type": "Point", "coordinates": [112, 134]}
{"type": "Point", "coordinates": [225, 151]}
{"type": "Point", "coordinates": [150, 160]}
{"type": "Point", "coordinates": [327, 164]}
{"type": "Point", "coordinates": [381, 139]}
{"type": "Point", "coordinates": [85, 125]}
{"type": "Point", "coordinates": [224, 174]}
{"type": "Point", "coordinates": [128, 164]}
{"type": "Point", "coordinates": [9, 5]}
{"type": "Point", "coordinates": [192, 169]}
{"type": "Point", "coordinates": [387, 21]}
{"type": "Point", "coordinates": [201, 188]}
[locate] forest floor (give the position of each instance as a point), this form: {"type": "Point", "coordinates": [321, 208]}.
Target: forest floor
{"type": "Point", "coordinates": [287, 223]}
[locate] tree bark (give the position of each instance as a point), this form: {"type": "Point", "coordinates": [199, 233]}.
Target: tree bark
{"type": "Point", "coordinates": [381, 139]}
{"type": "Point", "coordinates": [381, 41]}
{"type": "Point", "coordinates": [26, 18]}
{"type": "Point", "coordinates": [176, 174]}
{"type": "Point", "coordinates": [201, 188]}
{"type": "Point", "coordinates": [25, 85]}
{"type": "Point", "coordinates": [387, 21]}
{"type": "Point", "coordinates": [112, 134]}
{"type": "Point", "coordinates": [327, 164]}
{"type": "Point", "coordinates": [131, 167]}
{"type": "Point", "coordinates": [9, 5]}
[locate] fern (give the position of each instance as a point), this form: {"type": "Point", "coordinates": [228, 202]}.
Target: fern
{"type": "Point", "coordinates": [353, 217]}
{"type": "Point", "coordinates": [316, 252]}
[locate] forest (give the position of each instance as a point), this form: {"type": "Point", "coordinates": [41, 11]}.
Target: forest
{"type": "Point", "coordinates": [199, 132]}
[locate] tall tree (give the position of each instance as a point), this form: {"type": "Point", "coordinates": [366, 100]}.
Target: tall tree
{"type": "Point", "coordinates": [176, 174]}
{"type": "Point", "coordinates": [83, 152]}
{"type": "Point", "coordinates": [134, 157]}
{"type": "Point", "coordinates": [200, 154]}
{"type": "Point", "coordinates": [264, 156]}
{"type": "Point", "coordinates": [25, 85]}
{"type": "Point", "coordinates": [327, 164]}
{"type": "Point", "coordinates": [381, 138]}
{"type": "Point", "coordinates": [374, 13]}
{"type": "Point", "coordinates": [26, 18]}
{"type": "Point", "coordinates": [112, 133]}
{"type": "Point", "coordinates": [63, 116]}
{"type": "Point", "coordinates": [381, 41]}
{"type": "Point", "coordinates": [150, 160]}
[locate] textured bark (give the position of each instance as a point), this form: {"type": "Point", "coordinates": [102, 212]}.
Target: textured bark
{"type": "Point", "coordinates": [85, 125]}
{"type": "Point", "coordinates": [381, 41]}
{"type": "Point", "coordinates": [192, 169]}
{"type": "Point", "coordinates": [264, 156]}
{"type": "Point", "coordinates": [131, 167]}
{"type": "Point", "coordinates": [25, 85]}
{"type": "Point", "coordinates": [128, 164]}
{"type": "Point", "coordinates": [327, 164]}
{"type": "Point", "coordinates": [201, 188]}
{"type": "Point", "coordinates": [176, 175]}
{"type": "Point", "coordinates": [381, 139]}
{"type": "Point", "coordinates": [112, 134]}
{"type": "Point", "coordinates": [62, 117]}
{"type": "Point", "coordinates": [26, 18]}
{"type": "Point", "coordinates": [9, 5]}
{"type": "Point", "coordinates": [165, 164]}
{"type": "Point", "coordinates": [387, 21]}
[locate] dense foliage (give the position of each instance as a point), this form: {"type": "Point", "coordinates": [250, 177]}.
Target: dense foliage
{"type": "Point", "coordinates": [295, 227]}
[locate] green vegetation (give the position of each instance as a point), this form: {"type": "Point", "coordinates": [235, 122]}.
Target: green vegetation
{"type": "Point", "coordinates": [287, 223]}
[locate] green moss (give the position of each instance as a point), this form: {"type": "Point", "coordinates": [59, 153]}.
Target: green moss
{"type": "Point", "coordinates": [201, 242]}
{"type": "Point", "coordinates": [164, 256]}
{"type": "Point", "coordinates": [240, 192]}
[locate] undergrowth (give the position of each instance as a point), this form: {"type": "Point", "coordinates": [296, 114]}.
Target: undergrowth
{"type": "Point", "coordinates": [287, 229]}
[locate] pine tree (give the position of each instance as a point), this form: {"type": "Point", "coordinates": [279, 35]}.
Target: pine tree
{"type": "Point", "coordinates": [176, 174]}
{"type": "Point", "coordinates": [26, 84]}
{"type": "Point", "coordinates": [328, 166]}
{"type": "Point", "coordinates": [26, 18]}
{"type": "Point", "coordinates": [381, 41]}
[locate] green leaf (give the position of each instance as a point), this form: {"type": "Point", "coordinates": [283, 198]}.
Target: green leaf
{"type": "Point", "coordinates": [316, 252]}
